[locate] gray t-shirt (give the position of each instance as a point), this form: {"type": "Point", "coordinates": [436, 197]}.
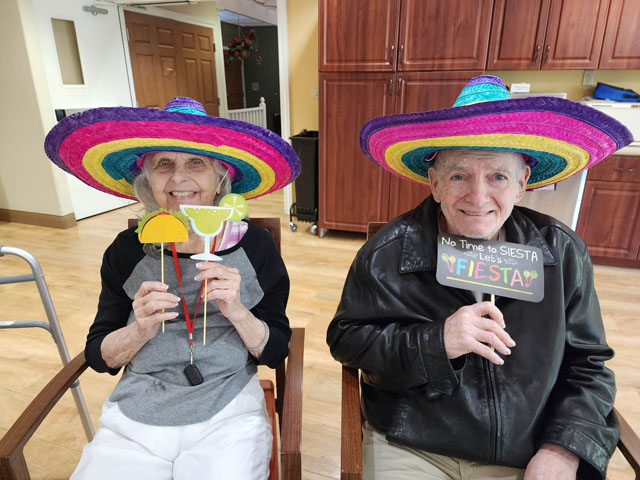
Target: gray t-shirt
{"type": "Point", "coordinates": [154, 389]}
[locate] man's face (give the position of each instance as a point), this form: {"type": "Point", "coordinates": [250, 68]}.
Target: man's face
{"type": "Point", "coordinates": [477, 189]}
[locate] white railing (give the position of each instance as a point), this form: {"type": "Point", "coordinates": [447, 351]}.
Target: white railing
{"type": "Point", "coordinates": [256, 115]}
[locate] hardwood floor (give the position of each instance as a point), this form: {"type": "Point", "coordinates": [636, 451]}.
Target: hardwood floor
{"type": "Point", "coordinates": [71, 259]}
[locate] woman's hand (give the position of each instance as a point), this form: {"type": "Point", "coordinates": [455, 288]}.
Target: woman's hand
{"type": "Point", "coordinates": [120, 346]}
{"type": "Point", "coordinates": [223, 285]}
{"type": "Point", "coordinates": [148, 303]}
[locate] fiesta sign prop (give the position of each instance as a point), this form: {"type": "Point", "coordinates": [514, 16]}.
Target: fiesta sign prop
{"type": "Point", "coordinates": [489, 266]}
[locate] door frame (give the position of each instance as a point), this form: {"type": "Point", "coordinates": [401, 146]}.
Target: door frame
{"type": "Point", "coordinates": [283, 66]}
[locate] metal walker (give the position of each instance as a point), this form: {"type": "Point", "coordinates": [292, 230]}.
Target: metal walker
{"type": "Point", "coordinates": [52, 325]}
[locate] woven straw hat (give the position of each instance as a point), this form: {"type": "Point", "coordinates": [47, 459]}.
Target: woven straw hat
{"type": "Point", "coordinates": [558, 137]}
{"type": "Point", "coordinates": [102, 146]}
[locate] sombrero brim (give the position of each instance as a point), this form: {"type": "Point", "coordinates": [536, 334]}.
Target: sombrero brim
{"type": "Point", "coordinates": [560, 137]}
{"type": "Point", "coordinates": [101, 147]}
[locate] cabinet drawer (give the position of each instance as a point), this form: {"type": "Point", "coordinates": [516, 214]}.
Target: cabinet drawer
{"type": "Point", "coordinates": [617, 168]}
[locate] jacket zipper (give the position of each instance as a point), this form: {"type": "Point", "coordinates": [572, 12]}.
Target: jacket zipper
{"type": "Point", "coordinates": [496, 423]}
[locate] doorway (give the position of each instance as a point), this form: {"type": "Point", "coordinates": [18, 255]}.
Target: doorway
{"type": "Point", "coordinates": [251, 72]}
{"type": "Point", "coordinates": [171, 59]}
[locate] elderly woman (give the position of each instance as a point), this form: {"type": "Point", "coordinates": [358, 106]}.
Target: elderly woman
{"type": "Point", "coordinates": [181, 409]}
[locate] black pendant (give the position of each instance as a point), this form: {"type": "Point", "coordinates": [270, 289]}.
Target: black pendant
{"type": "Point", "coordinates": [193, 374]}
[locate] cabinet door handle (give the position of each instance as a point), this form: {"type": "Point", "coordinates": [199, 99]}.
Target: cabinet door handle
{"type": "Point", "coordinates": [536, 53]}
{"type": "Point", "coordinates": [393, 50]}
{"type": "Point", "coordinates": [400, 81]}
{"type": "Point", "coordinates": [402, 53]}
{"type": "Point", "coordinates": [617, 169]}
{"type": "Point", "coordinates": [391, 87]}
{"type": "Point", "coordinates": [545, 59]}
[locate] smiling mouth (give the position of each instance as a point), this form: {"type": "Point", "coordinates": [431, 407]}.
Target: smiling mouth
{"type": "Point", "coordinates": [475, 214]}
{"type": "Point", "coordinates": [182, 194]}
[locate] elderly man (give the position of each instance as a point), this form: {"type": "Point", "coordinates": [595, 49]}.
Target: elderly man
{"type": "Point", "coordinates": [454, 386]}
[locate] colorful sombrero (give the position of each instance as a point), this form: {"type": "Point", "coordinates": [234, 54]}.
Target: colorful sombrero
{"type": "Point", "coordinates": [102, 146]}
{"type": "Point", "coordinates": [558, 137]}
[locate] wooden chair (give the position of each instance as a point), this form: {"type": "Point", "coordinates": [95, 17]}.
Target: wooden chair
{"type": "Point", "coordinates": [352, 420]}
{"type": "Point", "coordinates": [285, 400]}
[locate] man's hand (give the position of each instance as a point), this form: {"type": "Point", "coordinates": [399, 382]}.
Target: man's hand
{"type": "Point", "coordinates": [468, 330]}
{"type": "Point", "coordinates": [552, 461]}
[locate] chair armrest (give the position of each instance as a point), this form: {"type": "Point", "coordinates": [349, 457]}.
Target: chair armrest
{"type": "Point", "coordinates": [291, 432]}
{"type": "Point", "coordinates": [351, 428]}
{"type": "Point", "coordinates": [629, 444]}
{"type": "Point", "coordinates": [12, 464]}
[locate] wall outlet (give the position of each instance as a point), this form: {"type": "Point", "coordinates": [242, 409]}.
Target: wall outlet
{"type": "Point", "coordinates": [314, 91]}
{"type": "Point", "coordinates": [589, 78]}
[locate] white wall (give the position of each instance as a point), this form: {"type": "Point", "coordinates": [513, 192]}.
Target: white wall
{"type": "Point", "coordinates": [29, 182]}
{"type": "Point", "coordinates": [251, 9]}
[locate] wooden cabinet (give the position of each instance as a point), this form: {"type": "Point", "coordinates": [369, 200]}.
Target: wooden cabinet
{"type": "Point", "coordinates": [443, 35]}
{"type": "Point", "coordinates": [357, 35]}
{"type": "Point", "coordinates": [353, 190]}
{"type": "Point", "coordinates": [547, 34]}
{"type": "Point", "coordinates": [621, 46]}
{"type": "Point", "coordinates": [412, 35]}
{"type": "Point", "coordinates": [609, 220]}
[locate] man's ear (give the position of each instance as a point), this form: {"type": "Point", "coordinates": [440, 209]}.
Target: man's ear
{"type": "Point", "coordinates": [435, 184]}
{"type": "Point", "coordinates": [522, 182]}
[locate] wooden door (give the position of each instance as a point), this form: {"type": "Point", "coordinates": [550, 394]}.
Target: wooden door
{"type": "Point", "coordinates": [621, 45]}
{"type": "Point", "coordinates": [418, 92]}
{"type": "Point", "coordinates": [444, 35]}
{"type": "Point", "coordinates": [352, 190]}
{"type": "Point", "coordinates": [517, 34]}
{"type": "Point", "coordinates": [170, 59]}
{"type": "Point", "coordinates": [357, 35]}
{"type": "Point", "coordinates": [574, 34]}
{"type": "Point", "coordinates": [235, 87]}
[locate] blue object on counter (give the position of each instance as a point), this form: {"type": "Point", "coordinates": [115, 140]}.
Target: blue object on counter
{"type": "Point", "coordinates": [610, 92]}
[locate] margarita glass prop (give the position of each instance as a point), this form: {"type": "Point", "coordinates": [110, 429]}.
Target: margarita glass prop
{"type": "Point", "coordinates": [207, 221]}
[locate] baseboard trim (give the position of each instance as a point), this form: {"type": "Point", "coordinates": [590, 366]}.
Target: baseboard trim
{"type": "Point", "coordinates": [40, 219]}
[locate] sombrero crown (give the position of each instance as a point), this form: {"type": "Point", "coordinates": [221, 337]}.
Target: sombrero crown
{"type": "Point", "coordinates": [557, 136]}
{"type": "Point", "coordinates": [102, 146]}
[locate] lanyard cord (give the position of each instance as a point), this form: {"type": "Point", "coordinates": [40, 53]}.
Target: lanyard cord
{"type": "Point", "coordinates": [187, 318]}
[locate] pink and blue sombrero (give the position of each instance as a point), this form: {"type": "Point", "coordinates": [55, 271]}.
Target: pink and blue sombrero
{"type": "Point", "coordinates": [102, 146]}
{"type": "Point", "coordinates": [557, 137]}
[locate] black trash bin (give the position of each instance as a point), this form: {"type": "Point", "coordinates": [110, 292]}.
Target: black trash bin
{"type": "Point", "coordinates": [305, 207]}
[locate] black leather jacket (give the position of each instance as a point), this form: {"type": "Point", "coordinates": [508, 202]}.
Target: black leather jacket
{"type": "Point", "coordinates": [553, 388]}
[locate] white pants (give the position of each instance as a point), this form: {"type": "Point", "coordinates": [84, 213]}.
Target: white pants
{"type": "Point", "coordinates": [233, 444]}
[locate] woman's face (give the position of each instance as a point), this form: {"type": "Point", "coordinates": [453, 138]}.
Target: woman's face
{"type": "Point", "coordinates": [179, 178]}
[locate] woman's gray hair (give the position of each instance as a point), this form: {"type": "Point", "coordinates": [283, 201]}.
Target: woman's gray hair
{"type": "Point", "coordinates": [142, 190]}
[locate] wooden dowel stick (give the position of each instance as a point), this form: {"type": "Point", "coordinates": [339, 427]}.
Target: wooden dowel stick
{"type": "Point", "coordinates": [493, 302]}
{"type": "Point", "coordinates": [204, 328]}
{"type": "Point", "coordinates": [162, 272]}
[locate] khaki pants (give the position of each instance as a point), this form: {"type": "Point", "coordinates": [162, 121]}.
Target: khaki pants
{"type": "Point", "coordinates": [389, 461]}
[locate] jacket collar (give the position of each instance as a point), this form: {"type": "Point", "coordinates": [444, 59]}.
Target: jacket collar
{"type": "Point", "coordinates": [420, 229]}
